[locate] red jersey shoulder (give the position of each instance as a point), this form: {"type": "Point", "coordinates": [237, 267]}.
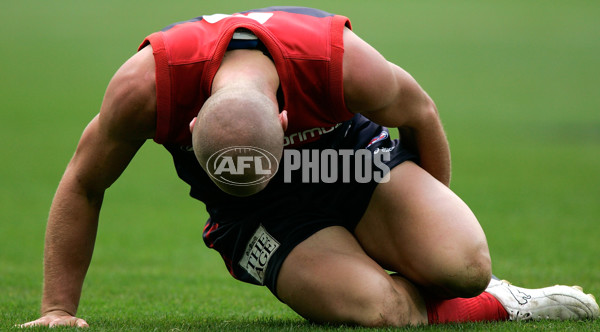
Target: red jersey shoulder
{"type": "Point", "coordinates": [299, 31]}
{"type": "Point", "coordinates": [305, 44]}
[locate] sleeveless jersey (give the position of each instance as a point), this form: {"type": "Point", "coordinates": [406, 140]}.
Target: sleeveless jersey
{"type": "Point", "coordinates": [306, 46]}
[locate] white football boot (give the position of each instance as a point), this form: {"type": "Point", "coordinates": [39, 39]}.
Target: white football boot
{"type": "Point", "coordinates": [556, 302]}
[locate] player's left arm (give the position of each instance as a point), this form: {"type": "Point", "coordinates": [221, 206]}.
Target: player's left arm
{"type": "Point", "coordinates": [389, 96]}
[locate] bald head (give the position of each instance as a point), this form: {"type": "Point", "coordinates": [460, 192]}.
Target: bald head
{"type": "Point", "coordinates": [238, 117]}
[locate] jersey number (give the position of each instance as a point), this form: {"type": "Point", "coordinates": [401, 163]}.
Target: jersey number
{"type": "Point", "coordinates": [259, 17]}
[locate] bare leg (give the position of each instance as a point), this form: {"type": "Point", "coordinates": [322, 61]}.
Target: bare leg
{"type": "Point", "coordinates": [329, 278]}
{"type": "Point", "coordinates": [416, 226]}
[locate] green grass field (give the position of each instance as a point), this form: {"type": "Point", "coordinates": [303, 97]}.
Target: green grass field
{"type": "Point", "coordinates": [517, 84]}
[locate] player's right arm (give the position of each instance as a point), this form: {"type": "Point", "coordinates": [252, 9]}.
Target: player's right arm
{"type": "Point", "coordinates": [107, 145]}
{"type": "Point", "coordinates": [390, 96]}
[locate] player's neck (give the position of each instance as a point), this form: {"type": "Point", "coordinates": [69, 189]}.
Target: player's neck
{"type": "Point", "coordinates": [248, 69]}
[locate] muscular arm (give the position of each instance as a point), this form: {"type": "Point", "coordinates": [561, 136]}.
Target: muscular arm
{"type": "Point", "coordinates": [389, 96]}
{"type": "Point", "coordinates": [73, 219]}
{"type": "Point", "coordinates": [108, 143]}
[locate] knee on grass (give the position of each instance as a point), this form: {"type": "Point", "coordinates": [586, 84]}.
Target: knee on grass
{"type": "Point", "coordinates": [466, 280]}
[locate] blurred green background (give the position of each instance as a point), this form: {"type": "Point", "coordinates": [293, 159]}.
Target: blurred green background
{"type": "Point", "coordinates": [517, 84]}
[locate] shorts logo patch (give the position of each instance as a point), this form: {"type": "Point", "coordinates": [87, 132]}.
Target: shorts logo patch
{"type": "Point", "coordinates": [258, 252]}
{"type": "Point", "coordinates": [384, 134]}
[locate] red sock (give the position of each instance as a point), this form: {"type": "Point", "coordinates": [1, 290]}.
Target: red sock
{"type": "Point", "coordinates": [484, 307]}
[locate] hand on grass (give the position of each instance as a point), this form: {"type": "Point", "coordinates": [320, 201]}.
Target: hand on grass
{"type": "Point", "coordinates": [53, 319]}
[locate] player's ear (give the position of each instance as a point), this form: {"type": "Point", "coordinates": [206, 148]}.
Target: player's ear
{"type": "Point", "coordinates": [192, 123]}
{"type": "Point", "coordinates": [283, 119]}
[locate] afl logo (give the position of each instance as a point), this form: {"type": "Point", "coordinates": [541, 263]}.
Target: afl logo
{"type": "Point", "coordinates": [381, 137]}
{"type": "Point", "coordinates": [242, 165]}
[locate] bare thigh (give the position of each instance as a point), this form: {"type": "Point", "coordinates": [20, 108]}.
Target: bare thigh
{"type": "Point", "coordinates": [418, 227]}
{"type": "Point", "coordinates": [329, 278]}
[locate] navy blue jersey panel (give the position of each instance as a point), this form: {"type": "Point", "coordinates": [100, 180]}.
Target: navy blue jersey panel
{"type": "Point", "coordinates": [294, 10]}
{"type": "Point", "coordinates": [288, 9]}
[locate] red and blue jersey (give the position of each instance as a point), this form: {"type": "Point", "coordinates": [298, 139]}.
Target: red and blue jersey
{"type": "Point", "coordinates": [306, 46]}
